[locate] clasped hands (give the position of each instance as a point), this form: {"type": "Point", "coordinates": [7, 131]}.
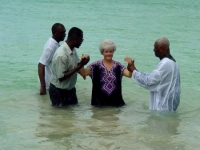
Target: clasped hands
{"type": "Point", "coordinates": [84, 60]}
{"type": "Point", "coordinates": [131, 65]}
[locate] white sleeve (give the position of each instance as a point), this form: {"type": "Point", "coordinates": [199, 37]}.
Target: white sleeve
{"type": "Point", "coordinates": [47, 56]}
{"type": "Point", "coordinates": [151, 80]}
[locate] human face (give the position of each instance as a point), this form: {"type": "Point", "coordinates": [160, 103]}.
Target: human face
{"type": "Point", "coordinates": [60, 33]}
{"type": "Point", "coordinates": [79, 41]}
{"type": "Point", "coordinates": [157, 50]}
{"type": "Point", "coordinates": [108, 54]}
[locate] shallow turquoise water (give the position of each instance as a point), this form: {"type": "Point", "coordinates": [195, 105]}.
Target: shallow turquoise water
{"type": "Point", "coordinates": [27, 120]}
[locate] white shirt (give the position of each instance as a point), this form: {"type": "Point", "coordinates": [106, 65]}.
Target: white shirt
{"type": "Point", "coordinates": [46, 58]}
{"type": "Point", "coordinates": [63, 60]}
{"type": "Point", "coordinates": [163, 84]}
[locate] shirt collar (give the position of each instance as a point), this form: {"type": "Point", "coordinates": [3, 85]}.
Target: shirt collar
{"type": "Point", "coordinates": [69, 51]}
{"type": "Point", "coordinates": [54, 41]}
{"type": "Point", "coordinates": [168, 56]}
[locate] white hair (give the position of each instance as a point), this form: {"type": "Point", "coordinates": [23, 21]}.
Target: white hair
{"type": "Point", "coordinates": [107, 45]}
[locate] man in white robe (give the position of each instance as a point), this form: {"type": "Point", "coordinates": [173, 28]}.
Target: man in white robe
{"type": "Point", "coordinates": [163, 82]}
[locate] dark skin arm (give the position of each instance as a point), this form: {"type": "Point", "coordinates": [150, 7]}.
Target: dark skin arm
{"type": "Point", "coordinates": [41, 74]}
{"type": "Point", "coordinates": [67, 74]}
{"type": "Point", "coordinates": [131, 67]}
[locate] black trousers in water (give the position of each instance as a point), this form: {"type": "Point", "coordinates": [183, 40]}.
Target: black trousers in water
{"type": "Point", "coordinates": [62, 97]}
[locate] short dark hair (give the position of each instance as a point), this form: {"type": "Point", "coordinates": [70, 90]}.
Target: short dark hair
{"type": "Point", "coordinates": [74, 32]}
{"type": "Point", "coordinates": [55, 27]}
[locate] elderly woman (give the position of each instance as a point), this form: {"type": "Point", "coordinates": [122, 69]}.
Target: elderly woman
{"type": "Point", "coordinates": [106, 77]}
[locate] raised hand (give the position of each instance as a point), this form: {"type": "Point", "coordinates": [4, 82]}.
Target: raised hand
{"type": "Point", "coordinates": [84, 59]}
{"type": "Point", "coordinates": [129, 60]}
{"type": "Point", "coordinates": [131, 66]}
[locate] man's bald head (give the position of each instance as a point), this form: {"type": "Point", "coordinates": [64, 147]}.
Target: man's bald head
{"type": "Point", "coordinates": [163, 43]}
{"type": "Point", "coordinates": [161, 47]}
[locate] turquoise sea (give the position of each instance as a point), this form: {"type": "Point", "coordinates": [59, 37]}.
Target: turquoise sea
{"type": "Point", "coordinates": [29, 122]}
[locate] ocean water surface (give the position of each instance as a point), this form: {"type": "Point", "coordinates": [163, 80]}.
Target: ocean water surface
{"type": "Point", "coordinates": [28, 121]}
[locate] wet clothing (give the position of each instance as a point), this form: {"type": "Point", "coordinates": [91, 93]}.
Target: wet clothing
{"type": "Point", "coordinates": [62, 97]}
{"type": "Point", "coordinates": [163, 84]}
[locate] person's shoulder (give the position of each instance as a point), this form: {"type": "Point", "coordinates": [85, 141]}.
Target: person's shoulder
{"type": "Point", "coordinates": [52, 40]}
{"type": "Point", "coordinates": [167, 61]}
{"type": "Point", "coordinates": [167, 64]}
{"type": "Point", "coordinates": [49, 41]}
{"type": "Point", "coordinates": [59, 54]}
{"type": "Point", "coordinates": [60, 50]}
{"type": "Point", "coordinates": [118, 63]}
{"type": "Point", "coordinates": [96, 63]}
{"type": "Point", "coordinates": [51, 44]}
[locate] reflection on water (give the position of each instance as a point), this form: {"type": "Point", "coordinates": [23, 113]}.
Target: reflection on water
{"type": "Point", "coordinates": [56, 126]}
{"type": "Point", "coordinates": [87, 127]}
{"type": "Point", "coordinates": [160, 131]}
{"type": "Point", "coordinates": [80, 127]}
{"type": "Point", "coordinates": [35, 124]}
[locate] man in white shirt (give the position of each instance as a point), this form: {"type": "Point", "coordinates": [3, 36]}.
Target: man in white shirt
{"type": "Point", "coordinates": [164, 82]}
{"type": "Point", "coordinates": [44, 66]}
{"type": "Point", "coordinates": [65, 66]}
